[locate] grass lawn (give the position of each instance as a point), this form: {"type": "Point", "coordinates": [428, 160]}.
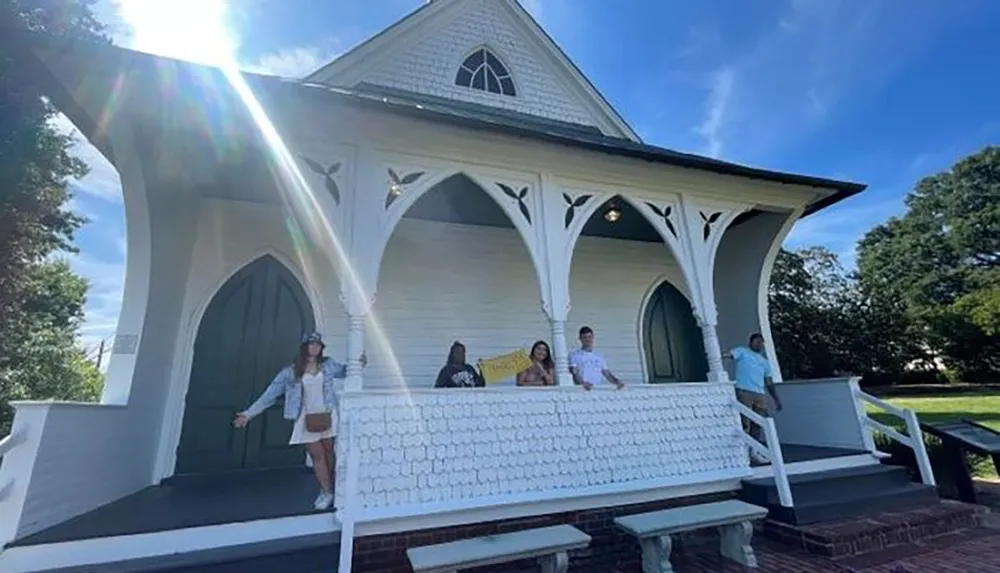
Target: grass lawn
{"type": "Point", "coordinates": [983, 408]}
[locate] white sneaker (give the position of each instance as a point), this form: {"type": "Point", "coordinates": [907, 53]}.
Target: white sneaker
{"type": "Point", "coordinates": [323, 501]}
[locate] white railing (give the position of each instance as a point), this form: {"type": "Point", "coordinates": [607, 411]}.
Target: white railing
{"type": "Point", "coordinates": [348, 513]}
{"type": "Point", "coordinates": [913, 438]}
{"type": "Point", "coordinates": [6, 445]}
{"type": "Point", "coordinates": [440, 452]}
{"type": "Point", "coordinates": [771, 450]}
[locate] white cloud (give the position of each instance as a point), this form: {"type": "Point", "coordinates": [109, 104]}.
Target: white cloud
{"type": "Point", "coordinates": [108, 12]}
{"type": "Point", "coordinates": [797, 70]}
{"type": "Point", "coordinates": [839, 228]}
{"type": "Point", "coordinates": [296, 61]}
{"type": "Point", "coordinates": [720, 94]}
{"type": "Point", "coordinates": [104, 297]}
{"type": "Point", "coordinates": [102, 181]}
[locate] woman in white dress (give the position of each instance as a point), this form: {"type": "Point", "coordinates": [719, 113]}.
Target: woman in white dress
{"type": "Point", "coordinates": [311, 400]}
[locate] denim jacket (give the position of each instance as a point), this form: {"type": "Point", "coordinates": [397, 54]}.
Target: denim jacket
{"type": "Point", "coordinates": [286, 383]}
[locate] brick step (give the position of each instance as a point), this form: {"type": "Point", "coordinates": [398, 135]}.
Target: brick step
{"type": "Point", "coordinates": [876, 532]}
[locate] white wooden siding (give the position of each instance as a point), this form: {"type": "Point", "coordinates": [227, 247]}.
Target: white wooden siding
{"type": "Point", "coordinates": [444, 282]}
{"type": "Point", "coordinates": [82, 462]}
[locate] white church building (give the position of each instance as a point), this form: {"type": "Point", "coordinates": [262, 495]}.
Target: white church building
{"type": "Point", "coordinates": [455, 177]}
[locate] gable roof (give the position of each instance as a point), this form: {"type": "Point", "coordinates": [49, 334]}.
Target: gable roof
{"type": "Point", "coordinates": [347, 70]}
{"type": "Point", "coordinates": [105, 65]}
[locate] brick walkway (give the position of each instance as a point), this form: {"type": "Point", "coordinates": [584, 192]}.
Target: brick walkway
{"type": "Point", "coordinates": [971, 552]}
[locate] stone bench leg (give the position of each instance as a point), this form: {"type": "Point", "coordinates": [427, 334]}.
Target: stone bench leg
{"type": "Point", "coordinates": [735, 543]}
{"type": "Point", "coordinates": [656, 554]}
{"type": "Point", "coordinates": [557, 563]}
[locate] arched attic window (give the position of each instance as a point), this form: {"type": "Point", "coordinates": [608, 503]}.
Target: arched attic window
{"type": "Point", "coordinates": [483, 71]}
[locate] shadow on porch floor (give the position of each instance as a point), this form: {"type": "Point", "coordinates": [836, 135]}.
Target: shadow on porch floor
{"type": "Point", "coordinates": [793, 453]}
{"type": "Point", "coordinates": [193, 501]}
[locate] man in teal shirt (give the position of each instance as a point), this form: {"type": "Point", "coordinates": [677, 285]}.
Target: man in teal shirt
{"type": "Point", "coordinates": [753, 376]}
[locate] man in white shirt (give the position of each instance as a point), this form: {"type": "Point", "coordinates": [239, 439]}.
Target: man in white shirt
{"type": "Point", "coordinates": [589, 367]}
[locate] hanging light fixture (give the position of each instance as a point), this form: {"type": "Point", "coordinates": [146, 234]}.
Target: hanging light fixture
{"type": "Point", "coordinates": [395, 189]}
{"type": "Point", "coordinates": [613, 213]}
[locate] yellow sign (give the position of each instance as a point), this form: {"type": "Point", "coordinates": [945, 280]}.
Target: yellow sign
{"type": "Point", "coordinates": [503, 367]}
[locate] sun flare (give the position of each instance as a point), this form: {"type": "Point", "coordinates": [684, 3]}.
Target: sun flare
{"type": "Point", "coordinates": [200, 31]}
{"type": "Point", "coordinates": [194, 30]}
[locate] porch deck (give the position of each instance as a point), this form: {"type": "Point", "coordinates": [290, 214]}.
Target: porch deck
{"type": "Point", "coordinates": [238, 497]}
{"type": "Point", "coordinates": [191, 502]}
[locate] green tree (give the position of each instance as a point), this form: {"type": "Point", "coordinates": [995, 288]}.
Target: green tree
{"type": "Point", "coordinates": [825, 324]}
{"type": "Point", "coordinates": [807, 295]}
{"type": "Point", "coordinates": [40, 301]}
{"type": "Point", "coordinates": [941, 262]}
{"type": "Point", "coordinates": [42, 359]}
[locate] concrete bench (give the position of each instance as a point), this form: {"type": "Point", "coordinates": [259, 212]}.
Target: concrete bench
{"type": "Point", "coordinates": [547, 544]}
{"type": "Point", "coordinates": [733, 518]}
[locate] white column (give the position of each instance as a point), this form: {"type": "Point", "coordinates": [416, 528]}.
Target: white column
{"type": "Point", "coordinates": [716, 371]}
{"type": "Point", "coordinates": [355, 346]}
{"type": "Point", "coordinates": [703, 227]}
{"type": "Point", "coordinates": [358, 272]}
{"type": "Point", "coordinates": [554, 276]}
{"type": "Point", "coordinates": [560, 353]}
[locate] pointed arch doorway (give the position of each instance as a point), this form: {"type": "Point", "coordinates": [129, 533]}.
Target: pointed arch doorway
{"type": "Point", "coordinates": [671, 338]}
{"type": "Point", "coordinates": [249, 331]}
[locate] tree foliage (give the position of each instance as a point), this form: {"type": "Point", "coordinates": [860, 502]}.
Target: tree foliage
{"type": "Point", "coordinates": [926, 292]}
{"type": "Point", "coordinates": [941, 262]}
{"type": "Point", "coordinates": [41, 300]}
{"type": "Point", "coordinates": [825, 323]}
{"type": "Point", "coordinates": [43, 360]}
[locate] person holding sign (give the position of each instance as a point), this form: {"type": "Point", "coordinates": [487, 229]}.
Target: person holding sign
{"type": "Point", "coordinates": [542, 370]}
{"type": "Point", "coordinates": [588, 367]}
{"type": "Point", "coordinates": [457, 373]}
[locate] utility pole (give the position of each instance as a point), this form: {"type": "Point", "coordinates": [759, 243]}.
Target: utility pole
{"type": "Point", "coordinates": [100, 354]}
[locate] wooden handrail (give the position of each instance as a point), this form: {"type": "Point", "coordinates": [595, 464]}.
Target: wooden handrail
{"type": "Point", "coordinates": [913, 438]}
{"type": "Point", "coordinates": [886, 406]}
{"type": "Point", "coordinates": [9, 442]}
{"type": "Point", "coordinates": [770, 449]}
{"type": "Point", "coordinates": [6, 445]}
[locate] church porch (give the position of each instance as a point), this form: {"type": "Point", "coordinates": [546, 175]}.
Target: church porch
{"type": "Point", "coordinates": [320, 225]}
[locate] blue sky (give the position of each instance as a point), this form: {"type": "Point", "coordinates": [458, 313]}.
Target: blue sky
{"type": "Point", "coordinates": [878, 91]}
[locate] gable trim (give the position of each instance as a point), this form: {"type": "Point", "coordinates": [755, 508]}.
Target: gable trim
{"type": "Point", "coordinates": [592, 96]}
{"type": "Point", "coordinates": [350, 67]}
{"type": "Point", "coordinates": [370, 49]}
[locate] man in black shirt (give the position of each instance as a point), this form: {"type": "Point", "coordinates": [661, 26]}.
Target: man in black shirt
{"type": "Point", "coordinates": [456, 373]}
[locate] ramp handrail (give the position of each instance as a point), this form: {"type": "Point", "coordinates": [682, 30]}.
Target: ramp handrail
{"type": "Point", "coordinates": [7, 444]}
{"type": "Point", "coordinates": [913, 438]}
{"type": "Point", "coordinates": [771, 450]}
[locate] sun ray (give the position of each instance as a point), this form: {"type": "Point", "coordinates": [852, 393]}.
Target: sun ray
{"type": "Point", "coordinates": [197, 31]}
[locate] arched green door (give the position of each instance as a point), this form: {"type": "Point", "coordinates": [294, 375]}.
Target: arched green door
{"type": "Point", "coordinates": [250, 330]}
{"type": "Point", "coordinates": [672, 339]}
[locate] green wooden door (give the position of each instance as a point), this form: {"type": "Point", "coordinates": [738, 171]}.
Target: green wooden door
{"type": "Point", "coordinates": [672, 339]}
{"type": "Point", "coordinates": [250, 330]}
